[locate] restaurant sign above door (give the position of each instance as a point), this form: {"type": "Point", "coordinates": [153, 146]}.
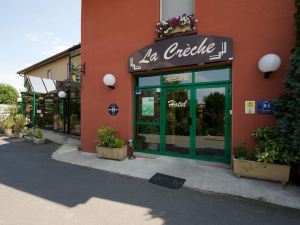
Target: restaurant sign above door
{"type": "Point", "coordinates": [181, 51]}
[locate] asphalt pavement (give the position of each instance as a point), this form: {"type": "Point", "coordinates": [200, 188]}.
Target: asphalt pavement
{"type": "Point", "coordinates": [37, 190]}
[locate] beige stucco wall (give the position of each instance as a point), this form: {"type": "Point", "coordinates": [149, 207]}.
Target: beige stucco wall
{"type": "Point", "coordinates": [59, 69]}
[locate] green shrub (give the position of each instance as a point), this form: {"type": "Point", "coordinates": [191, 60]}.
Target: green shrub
{"type": "Point", "coordinates": [19, 122]}
{"type": "Point", "coordinates": [240, 152]}
{"type": "Point", "coordinates": [38, 134]}
{"type": "Point", "coordinates": [106, 138]}
{"type": "Point", "coordinates": [9, 123]}
{"type": "Point", "coordinates": [29, 133]}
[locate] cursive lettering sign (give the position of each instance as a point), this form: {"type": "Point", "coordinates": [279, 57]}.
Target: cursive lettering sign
{"type": "Point", "coordinates": [181, 51]}
{"type": "Point", "coordinates": [175, 79]}
{"type": "Point", "coordinates": [174, 104]}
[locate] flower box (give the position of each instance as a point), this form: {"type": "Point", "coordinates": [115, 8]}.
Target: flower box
{"type": "Point", "coordinates": [112, 153]}
{"type": "Point", "coordinates": [261, 170]}
{"type": "Point", "coordinates": [178, 24]}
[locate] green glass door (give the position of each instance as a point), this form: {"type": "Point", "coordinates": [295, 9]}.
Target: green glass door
{"type": "Point", "coordinates": [185, 114]}
{"type": "Point", "coordinates": [178, 121]}
{"type": "Point", "coordinates": [212, 123]}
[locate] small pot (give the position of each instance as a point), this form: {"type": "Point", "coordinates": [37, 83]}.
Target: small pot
{"type": "Point", "coordinates": [39, 141]}
{"type": "Point", "coordinates": [19, 135]}
{"type": "Point", "coordinates": [28, 139]}
{"type": "Point", "coordinates": [8, 132]}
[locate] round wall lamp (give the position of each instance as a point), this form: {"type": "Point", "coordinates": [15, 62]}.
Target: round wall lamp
{"type": "Point", "coordinates": [109, 80]}
{"type": "Point", "coordinates": [62, 94]}
{"type": "Point", "coordinates": [19, 100]}
{"type": "Point", "coordinates": [268, 64]}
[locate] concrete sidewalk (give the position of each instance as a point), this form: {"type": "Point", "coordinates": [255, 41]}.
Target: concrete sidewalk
{"type": "Point", "coordinates": [200, 175]}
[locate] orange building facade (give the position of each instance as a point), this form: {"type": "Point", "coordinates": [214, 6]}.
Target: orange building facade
{"type": "Point", "coordinates": [113, 31]}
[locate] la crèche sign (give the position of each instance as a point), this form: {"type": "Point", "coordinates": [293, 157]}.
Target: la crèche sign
{"type": "Point", "coordinates": [181, 51]}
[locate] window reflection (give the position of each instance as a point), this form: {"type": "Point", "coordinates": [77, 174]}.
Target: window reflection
{"type": "Point", "coordinates": [148, 137]}
{"type": "Point", "coordinates": [212, 75]}
{"type": "Point", "coordinates": [210, 122]}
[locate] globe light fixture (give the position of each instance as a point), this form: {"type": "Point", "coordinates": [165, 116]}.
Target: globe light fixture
{"type": "Point", "coordinates": [268, 64]}
{"type": "Point", "coordinates": [62, 94]}
{"type": "Point", "coordinates": [19, 100]}
{"type": "Point", "coordinates": [109, 80]}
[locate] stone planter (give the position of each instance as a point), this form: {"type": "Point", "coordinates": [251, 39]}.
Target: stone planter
{"type": "Point", "coordinates": [8, 132]}
{"type": "Point", "coordinates": [260, 170]}
{"type": "Point", "coordinates": [112, 153]}
{"type": "Point", "coordinates": [19, 135]}
{"type": "Point", "coordinates": [28, 139]}
{"type": "Point", "coordinates": [39, 141]}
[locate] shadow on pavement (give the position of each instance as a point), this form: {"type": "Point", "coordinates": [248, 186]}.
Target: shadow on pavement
{"type": "Point", "coordinates": [29, 168]}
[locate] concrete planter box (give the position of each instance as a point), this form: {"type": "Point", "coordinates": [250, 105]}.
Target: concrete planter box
{"type": "Point", "coordinates": [112, 153]}
{"type": "Point", "coordinates": [19, 135]}
{"type": "Point", "coordinates": [39, 141]}
{"type": "Point", "coordinates": [28, 139]}
{"type": "Point", "coordinates": [8, 132]}
{"type": "Point", "coordinates": [260, 170]}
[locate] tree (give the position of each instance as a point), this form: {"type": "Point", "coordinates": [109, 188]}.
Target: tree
{"type": "Point", "coordinates": [287, 107]}
{"type": "Point", "coordinates": [8, 94]}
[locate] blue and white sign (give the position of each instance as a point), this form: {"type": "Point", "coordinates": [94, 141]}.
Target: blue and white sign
{"type": "Point", "coordinates": [113, 109]}
{"type": "Point", "coordinates": [265, 107]}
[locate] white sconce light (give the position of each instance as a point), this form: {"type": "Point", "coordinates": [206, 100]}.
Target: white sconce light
{"type": "Point", "coordinates": [109, 80]}
{"type": "Point", "coordinates": [19, 100]}
{"type": "Point", "coordinates": [268, 64]}
{"type": "Point", "coordinates": [62, 94]}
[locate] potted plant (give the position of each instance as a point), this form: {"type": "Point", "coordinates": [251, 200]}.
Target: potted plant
{"type": "Point", "coordinates": [176, 24]}
{"type": "Point", "coordinates": [38, 137]}
{"type": "Point", "coordinates": [19, 125]}
{"type": "Point", "coordinates": [109, 146]}
{"type": "Point", "coordinates": [267, 161]}
{"type": "Point", "coordinates": [29, 136]}
{"type": "Point", "coordinates": [58, 122]}
{"type": "Point", "coordinates": [8, 126]}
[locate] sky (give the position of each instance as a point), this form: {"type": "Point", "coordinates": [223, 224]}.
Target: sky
{"type": "Point", "coordinates": [32, 30]}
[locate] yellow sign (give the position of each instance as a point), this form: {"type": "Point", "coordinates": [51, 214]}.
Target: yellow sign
{"type": "Point", "coordinates": [249, 107]}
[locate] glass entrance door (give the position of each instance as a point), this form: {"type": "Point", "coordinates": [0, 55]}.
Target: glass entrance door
{"type": "Point", "coordinates": [211, 123]}
{"type": "Point", "coordinates": [178, 121]}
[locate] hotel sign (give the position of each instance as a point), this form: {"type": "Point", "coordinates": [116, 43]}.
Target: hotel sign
{"type": "Point", "coordinates": [181, 51]}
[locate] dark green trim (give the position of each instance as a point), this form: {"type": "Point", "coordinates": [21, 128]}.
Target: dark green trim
{"type": "Point", "coordinates": [192, 87]}
{"type": "Point", "coordinates": [34, 109]}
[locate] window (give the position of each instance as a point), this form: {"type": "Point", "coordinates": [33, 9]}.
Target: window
{"type": "Point", "coordinates": [49, 74]}
{"type": "Point", "coordinates": [172, 8]}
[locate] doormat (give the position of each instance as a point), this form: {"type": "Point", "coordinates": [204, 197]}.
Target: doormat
{"type": "Point", "coordinates": [167, 181]}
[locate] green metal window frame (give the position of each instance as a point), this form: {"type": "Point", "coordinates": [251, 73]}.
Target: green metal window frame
{"type": "Point", "coordinates": [192, 87]}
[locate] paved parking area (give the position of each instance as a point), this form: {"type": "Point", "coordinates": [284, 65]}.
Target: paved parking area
{"type": "Point", "coordinates": [35, 189]}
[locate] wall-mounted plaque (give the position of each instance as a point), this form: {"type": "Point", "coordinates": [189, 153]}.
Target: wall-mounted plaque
{"type": "Point", "coordinates": [113, 109]}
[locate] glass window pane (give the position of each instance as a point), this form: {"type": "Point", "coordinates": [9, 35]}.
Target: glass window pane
{"type": "Point", "coordinates": [148, 137]}
{"type": "Point", "coordinates": [210, 133]}
{"type": "Point", "coordinates": [148, 81]}
{"type": "Point", "coordinates": [180, 78]}
{"type": "Point", "coordinates": [148, 105]}
{"type": "Point", "coordinates": [212, 75]}
{"type": "Point", "coordinates": [37, 85]}
{"type": "Point", "coordinates": [178, 121]}
{"type": "Point", "coordinates": [50, 85]}
{"type": "Point", "coordinates": [172, 8]}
